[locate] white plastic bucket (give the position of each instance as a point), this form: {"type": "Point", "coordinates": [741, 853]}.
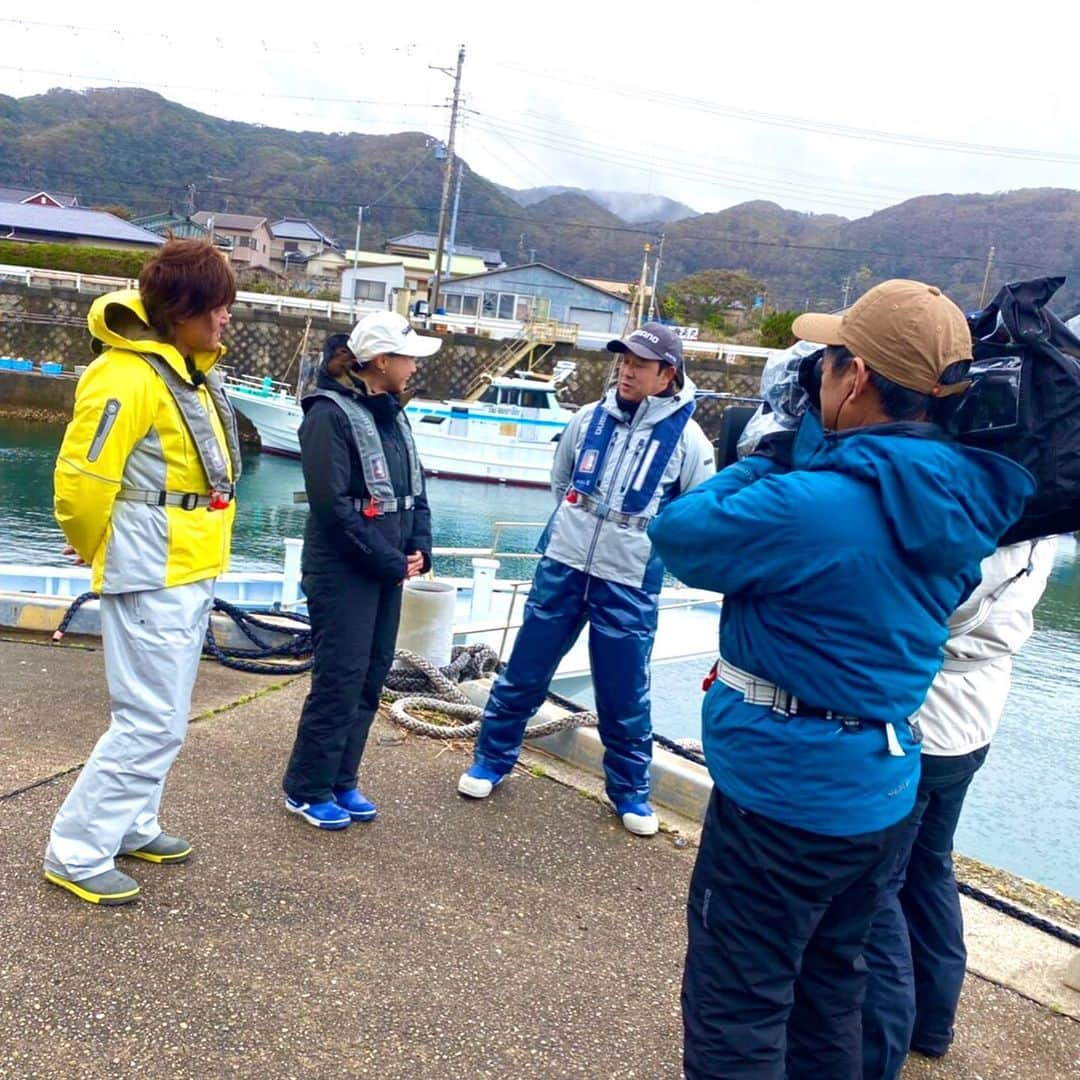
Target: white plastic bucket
{"type": "Point", "coordinates": [427, 620]}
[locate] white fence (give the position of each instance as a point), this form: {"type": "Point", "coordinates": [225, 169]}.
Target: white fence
{"type": "Point", "coordinates": [485, 327]}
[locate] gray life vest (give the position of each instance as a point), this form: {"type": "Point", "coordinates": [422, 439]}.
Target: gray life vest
{"type": "Point", "coordinates": [369, 448]}
{"type": "Point", "coordinates": [199, 427]}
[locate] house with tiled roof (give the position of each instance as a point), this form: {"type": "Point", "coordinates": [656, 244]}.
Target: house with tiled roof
{"type": "Point", "coordinates": [38, 198]}
{"type": "Point", "coordinates": [536, 291]}
{"type": "Point", "coordinates": [424, 243]}
{"type": "Point", "coordinates": [33, 222]}
{"type": "Point", "coordinates": [171, 223]}
{"type": "Point", "coordinates": [244, 237]}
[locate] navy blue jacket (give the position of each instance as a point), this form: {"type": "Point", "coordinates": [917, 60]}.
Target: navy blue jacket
{"type": "Point", "coordinates": [838, 578]}
{"type": "Point", "coordinates": [333, 476]}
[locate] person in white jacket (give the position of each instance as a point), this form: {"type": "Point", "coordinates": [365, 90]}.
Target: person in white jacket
{"type": "Point", "coordinates": [915, 951]}
{"type": "Point", "coordinates": [619, 461]}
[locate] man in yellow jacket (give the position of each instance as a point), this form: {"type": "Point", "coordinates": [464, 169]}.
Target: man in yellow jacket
{"type": "Point", "coordinates": [143, 492]}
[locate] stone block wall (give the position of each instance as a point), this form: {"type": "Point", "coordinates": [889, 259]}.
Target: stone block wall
{"type": "Point", "coordinates": [49, 324]}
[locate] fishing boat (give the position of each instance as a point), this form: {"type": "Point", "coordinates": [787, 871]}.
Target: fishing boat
{"type": "Point", "coordinates": [507, 434]}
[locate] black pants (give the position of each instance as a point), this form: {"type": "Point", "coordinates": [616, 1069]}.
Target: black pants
{"type": "Point", "coordinates": [354, 623]}
{"type": "Point", "coordinates": [774, 975]}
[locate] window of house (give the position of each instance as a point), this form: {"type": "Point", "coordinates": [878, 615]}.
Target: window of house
{"type": "Point", "coordinates": [491, 304]}
{"type": "Point", "coordinates": [452, 303]}
{"type": "Point", "coordinates": [470, 304]}
{"type": "Point", "coordinates": [291, 245]}
{"type": "Point", "coordinates": [243, 241]}
{"type": "Point", "coordinates": [369, 290]}
{"type": "Point", "coordinates": [523, 308]}
{"type": "Point", "coordinates": [506, 305]}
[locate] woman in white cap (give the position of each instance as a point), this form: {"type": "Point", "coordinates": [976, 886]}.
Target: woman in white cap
{"type": "Point", "coordinates": [368, 531]}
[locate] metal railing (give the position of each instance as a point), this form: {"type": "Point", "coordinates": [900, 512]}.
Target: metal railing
{"type": "Point", "coordinates": [473, 324]}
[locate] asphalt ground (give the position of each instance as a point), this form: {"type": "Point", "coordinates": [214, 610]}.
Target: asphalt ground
{"type": "Point", "coordinates": [525, 936]}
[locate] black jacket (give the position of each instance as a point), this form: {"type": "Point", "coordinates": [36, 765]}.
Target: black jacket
{"type": "Point", "coordinates": [336, 532]}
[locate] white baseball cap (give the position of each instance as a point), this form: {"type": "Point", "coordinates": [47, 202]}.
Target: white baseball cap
{"type": "Point", "coordinates": [388, 332]}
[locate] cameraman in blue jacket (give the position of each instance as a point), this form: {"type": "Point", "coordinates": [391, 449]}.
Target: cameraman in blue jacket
{"type": "Point", "coordinates": [841, 549]}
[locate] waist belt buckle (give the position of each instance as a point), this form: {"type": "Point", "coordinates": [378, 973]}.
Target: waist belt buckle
{"type": "Point", "coordinates": [189, 500]}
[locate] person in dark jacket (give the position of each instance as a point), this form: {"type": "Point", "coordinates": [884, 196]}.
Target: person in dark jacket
{"type": "Point", "coordinates": [369, 530]}
{"type": "Point", "coordinates": [841, 557]}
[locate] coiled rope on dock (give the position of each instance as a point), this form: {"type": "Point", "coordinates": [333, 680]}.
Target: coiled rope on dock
{"type": "Point", "coordinates": [444, 697]}
{"type": "Point", "coordinates": [416, 683]}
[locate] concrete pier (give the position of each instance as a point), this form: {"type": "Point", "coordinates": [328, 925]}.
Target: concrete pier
{"type": "Point", "coordinates": [525, 936]}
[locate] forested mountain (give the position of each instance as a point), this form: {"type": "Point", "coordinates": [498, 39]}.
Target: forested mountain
{"type": "Point", "coordinates": [135, 149]}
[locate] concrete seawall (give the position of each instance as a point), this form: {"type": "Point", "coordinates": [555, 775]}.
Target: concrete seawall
{"type": "Point", "coordinates": [48, 324]}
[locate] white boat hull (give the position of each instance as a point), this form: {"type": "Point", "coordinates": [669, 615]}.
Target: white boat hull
{"type": "Point", "coordinates": [489, 447]}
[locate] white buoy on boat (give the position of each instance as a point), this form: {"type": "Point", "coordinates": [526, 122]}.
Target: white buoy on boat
{"type": "Point", "coordinates": [427, 620]}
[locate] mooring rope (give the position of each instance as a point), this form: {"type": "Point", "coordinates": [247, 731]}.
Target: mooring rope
{"type": "Point", "coordinates": [447, 699]}
{"type": "Point", "coordinates": [416, 683]}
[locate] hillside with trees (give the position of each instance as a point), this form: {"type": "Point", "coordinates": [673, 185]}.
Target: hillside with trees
{"type": "Point", "coordinates": [135, 150]}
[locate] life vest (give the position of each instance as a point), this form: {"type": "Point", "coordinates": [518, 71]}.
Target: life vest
{"type": "Point", "coordinates": [369, 448]}
{"type": "Point", "coordinates": [221, 480]}
{"type": "Point", "coordinates": [663, 441]}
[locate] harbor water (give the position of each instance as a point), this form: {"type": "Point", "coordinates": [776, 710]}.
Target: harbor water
{"type": "Point", "coordinates": [1023, 810]}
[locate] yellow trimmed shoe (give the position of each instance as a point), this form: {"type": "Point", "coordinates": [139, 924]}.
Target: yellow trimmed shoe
{"type": "Point", "coordinates": [163, 849]}
{"type": "Point", "coordinates": [108, 888]}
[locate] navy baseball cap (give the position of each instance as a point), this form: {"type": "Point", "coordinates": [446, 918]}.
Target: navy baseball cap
{"type": "Point", "coordinates": [652, 341]}
{"type": "Point", "coordinates": [332, 344]}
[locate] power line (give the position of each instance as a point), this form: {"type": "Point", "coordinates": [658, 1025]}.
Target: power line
{"type": "Point", "coordinates": [628, 159]}
{"type": "Point", "coordinates": [213, 92]}
{"type": "Point", "coordinates": [630, 230]}
{"type": "Point", "coordinates": [800, 123]}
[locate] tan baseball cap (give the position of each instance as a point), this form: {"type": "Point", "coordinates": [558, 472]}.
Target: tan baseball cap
{"type": "Point", "coordinates": [908, 331]}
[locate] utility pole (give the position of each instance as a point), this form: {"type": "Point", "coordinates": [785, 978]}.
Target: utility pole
{"type": "Point", "coordinates": [986, 276]}
{"type": "Point", "coordinates": [453, 223]}
{"type": "Point", "coordinates": [655, 275]}
{"type": "Point", "coordinates": [448, 170]}
{"type": "Point", "coordinates": [637, 309]}
{"type": "Point", "coordinates": [847, 290]}
{"type": "Point", "coordinates": [356, 258]}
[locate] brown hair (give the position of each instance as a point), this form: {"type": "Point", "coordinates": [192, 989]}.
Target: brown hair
{"type": "Point", "coordinates": [184, 278]}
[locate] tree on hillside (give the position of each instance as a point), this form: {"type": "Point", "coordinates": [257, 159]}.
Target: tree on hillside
{"type": "Point", "coordinates": [704, 298]}
{"type": "Point", "coordinates": [776, 330]}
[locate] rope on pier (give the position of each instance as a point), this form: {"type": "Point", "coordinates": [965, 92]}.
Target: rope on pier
{"type": "Point", "coordinates": [470, 661]}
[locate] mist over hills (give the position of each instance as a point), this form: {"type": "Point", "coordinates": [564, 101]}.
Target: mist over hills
{"type": "Point", "coordinates": [137, 150]}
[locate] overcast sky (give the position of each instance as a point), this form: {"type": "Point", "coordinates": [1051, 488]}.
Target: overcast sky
{"type": "Point", "coordinates": [832, 107]}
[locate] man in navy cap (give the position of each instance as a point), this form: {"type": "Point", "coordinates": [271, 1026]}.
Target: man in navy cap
{"type": "Point", "coordinates": [619, 461]}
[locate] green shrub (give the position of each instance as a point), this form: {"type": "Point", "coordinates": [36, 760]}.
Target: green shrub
{"type": "Point", "coordinates": [74, 258]}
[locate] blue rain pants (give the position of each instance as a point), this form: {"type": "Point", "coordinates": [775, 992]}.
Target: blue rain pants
{"type": "Point", "coordinates": [622, 626]}
{"type": "Point", "coordinates": [916, 952]}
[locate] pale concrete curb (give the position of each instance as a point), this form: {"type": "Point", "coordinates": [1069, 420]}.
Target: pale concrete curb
{"type": "Point", "coordinates": [677, 784]}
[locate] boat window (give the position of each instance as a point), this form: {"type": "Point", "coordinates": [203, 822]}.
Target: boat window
{"type": "Point", "coordinates": [490, 396]}
{"type": "Point", "coordinates": [510, 397]}
{"type": "Point", "coordinates": [534, 399]}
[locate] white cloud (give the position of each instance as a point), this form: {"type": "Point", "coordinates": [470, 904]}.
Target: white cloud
{"type": "Point", "coordinates": [708, 104]}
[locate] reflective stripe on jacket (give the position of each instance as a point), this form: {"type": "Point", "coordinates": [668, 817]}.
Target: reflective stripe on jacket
{"type": "Point", "coordinates": [127, 430]}
{"type": "Point", "coordinates": [609, 549]}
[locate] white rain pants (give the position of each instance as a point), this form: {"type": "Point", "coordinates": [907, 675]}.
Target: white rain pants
{"type": "Point", "coordinates": [152, 643]}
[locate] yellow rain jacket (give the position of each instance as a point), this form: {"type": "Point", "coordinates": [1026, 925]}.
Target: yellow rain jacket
{"type": "Point", "coordinates": [128, 432]}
